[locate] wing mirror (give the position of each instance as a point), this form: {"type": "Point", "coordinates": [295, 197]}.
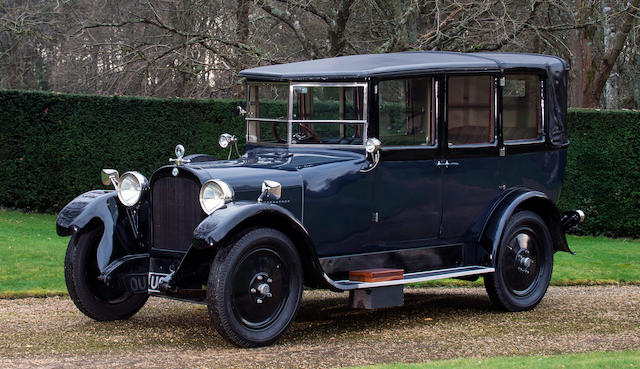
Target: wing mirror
{"type": "Point", "coordinates": [240, 112]}
{"type": "Point", "coordinates": [372, 146]}
{"type": "Point", "coordinates": [271, 190]}
{"type": "Point", "coordinates": [110, 176]}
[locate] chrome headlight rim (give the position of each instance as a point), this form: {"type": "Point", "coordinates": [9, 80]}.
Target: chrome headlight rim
{"type": "Point", "coordinates": [227, 195]}
{"type": "Point", "coordinates": [141, 186]}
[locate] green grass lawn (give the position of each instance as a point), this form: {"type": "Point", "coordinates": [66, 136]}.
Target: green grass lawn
{"type": "Point", "coordinates": [32, 258]}
{"type": "Point", "coordinates": [591, 360]}
{"type": "Point", "coordinates": [31, 255]}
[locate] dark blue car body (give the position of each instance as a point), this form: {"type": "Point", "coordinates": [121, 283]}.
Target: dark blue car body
{"type": "Point", "coordinates": [434, 211]}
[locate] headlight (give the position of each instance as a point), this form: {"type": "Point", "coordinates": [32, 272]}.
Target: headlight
{"type": "Point", "coordinates": [214, 194]}
{"type": "Point", "coordinates": [131, 187]}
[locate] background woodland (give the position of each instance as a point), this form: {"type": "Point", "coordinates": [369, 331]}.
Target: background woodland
{"type": "Point", "coordinates": [194, 48]}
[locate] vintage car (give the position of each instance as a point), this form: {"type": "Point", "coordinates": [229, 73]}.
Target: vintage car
{"type": "Point", "coordinates": [361, 173]}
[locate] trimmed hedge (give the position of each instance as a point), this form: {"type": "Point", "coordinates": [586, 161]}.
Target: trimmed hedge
{"type": "Point", "coordinates": [603, 171]}
{"type": "Point", "coordinates": [52, 147]}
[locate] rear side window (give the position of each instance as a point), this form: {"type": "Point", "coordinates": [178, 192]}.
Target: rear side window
{"type": "Point", "coordinates": [407, 112]}
{"type": "Point", "coordinates": [522, 108]}
{"type": "Point", "coordinates": [470, 110]}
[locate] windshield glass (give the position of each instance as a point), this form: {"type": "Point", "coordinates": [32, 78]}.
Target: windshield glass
{"type": "Point", "coordinates": [318, 113]}
{"type": "Point", "coordinates": [327, 103]}
{"type": "Point", "coordinates": [268, 100]}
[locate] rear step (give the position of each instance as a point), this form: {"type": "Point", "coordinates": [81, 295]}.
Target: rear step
{"type": "Point", "coordinates": [347, 285]}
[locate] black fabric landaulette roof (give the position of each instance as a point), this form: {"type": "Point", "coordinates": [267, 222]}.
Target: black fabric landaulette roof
{"type": "Point", "coordinates": [359, 67]}
{"type": "Point", "coordinates": [389, 65]}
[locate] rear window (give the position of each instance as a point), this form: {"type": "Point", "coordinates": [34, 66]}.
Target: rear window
{"type": "Point", "coordinates": [522, 108]}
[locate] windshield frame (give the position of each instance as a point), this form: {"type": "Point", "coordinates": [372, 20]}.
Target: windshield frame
{"type": "Point", "coordinates": [364, 122]}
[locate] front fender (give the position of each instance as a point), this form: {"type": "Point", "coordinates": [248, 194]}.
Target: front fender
{"type": "Point", "coordinates": [223, 222]}
{"type": "Point", "coordinates": [100, 204]}
{"type": "Point", "coordinates": [522, 199]}
{"type": "Point", "coordinates": [217, 226]}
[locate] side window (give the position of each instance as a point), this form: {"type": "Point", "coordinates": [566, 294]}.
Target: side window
{"type": "Point", "coordinates": [522, 108]}
{"type": "Point", "coordinates": [470, 110]}
{"type": "Point", "coordinates": [407, 112]}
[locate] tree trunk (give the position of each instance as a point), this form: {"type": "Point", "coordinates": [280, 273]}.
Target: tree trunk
{"type": "Point", "coordinates": [598, 73]}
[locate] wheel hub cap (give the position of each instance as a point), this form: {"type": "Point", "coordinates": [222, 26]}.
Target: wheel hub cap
{"type": "Point", "coordinates": [260, 287]}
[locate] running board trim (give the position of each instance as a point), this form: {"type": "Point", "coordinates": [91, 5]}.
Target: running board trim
{"type": "Point", "coordinates": [347, 285]}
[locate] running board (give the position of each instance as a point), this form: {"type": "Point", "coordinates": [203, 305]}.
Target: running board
{"type": "Point", "coordinates": [347, 285]}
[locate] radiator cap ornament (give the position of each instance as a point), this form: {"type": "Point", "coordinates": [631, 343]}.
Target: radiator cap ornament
{"type": "Point", "coordinates": [179, 156]}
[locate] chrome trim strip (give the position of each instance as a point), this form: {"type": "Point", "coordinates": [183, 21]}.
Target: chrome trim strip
{"type": "Point", "coordinates": [497, 126]}
{"type": "Point", "coordinates": [329, 84]}
{"type": "Point", "coordinates": [346, 285]}
{"type": "Point", "coordinates": [524, 141]}
{"type": "Point", "coordinates": [290, 115]}
{"type": "Point", "coordinates": [267, 120]}
{"type": "Point", "coordinates": [436, 118]}
{"type": "Point", "coordinates": [328, 121]}
{"type": "Point", "coordinates": [327, 146]}
{"type": "Point", "coordinates": [542, 108]}
{"type": "Point", "coordinates": [474, 146]}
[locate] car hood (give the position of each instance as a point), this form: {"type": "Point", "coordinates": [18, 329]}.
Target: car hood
{"type": "Point", "coordinates": [246, 174]}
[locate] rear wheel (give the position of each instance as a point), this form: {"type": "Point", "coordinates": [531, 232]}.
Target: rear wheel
{"type": "Point", "coordinates": [524, 263]}
{"type": "Point", "coordinates": [255, 288]}
{"type": "Point", "coordinates": [91, 296]}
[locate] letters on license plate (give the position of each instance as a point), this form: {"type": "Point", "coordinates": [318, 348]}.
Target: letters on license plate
{"type": "Point", "coordinates": [154, 281]}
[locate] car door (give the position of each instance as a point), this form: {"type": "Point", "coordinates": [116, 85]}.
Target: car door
{"type": "Point", "coordinates": [470, 162]}
{"type": "Point", "coordinates": [408, 184]}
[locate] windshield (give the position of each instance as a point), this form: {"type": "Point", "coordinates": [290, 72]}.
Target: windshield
{"type": "Point", "coordinates": [298, 113]}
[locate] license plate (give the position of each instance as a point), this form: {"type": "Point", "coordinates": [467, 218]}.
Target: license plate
{"type": "Point", "coordinates": [154, 281]}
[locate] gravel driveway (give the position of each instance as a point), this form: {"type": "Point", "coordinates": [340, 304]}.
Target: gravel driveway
{"type": "Point", "coordinates": [433, 324]}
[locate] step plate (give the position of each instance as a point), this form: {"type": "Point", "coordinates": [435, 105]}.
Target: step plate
{"type": "Point", "coordinates": [416, 277]}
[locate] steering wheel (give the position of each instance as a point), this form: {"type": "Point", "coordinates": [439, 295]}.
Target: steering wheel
{"type": "Point", "coordinates": [275, 132]}
{"type": "Point", "coordinates": [310, 132]}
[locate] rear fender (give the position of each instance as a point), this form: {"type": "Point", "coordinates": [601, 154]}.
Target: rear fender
{"type": "Point", "coordinates": [518, 200]}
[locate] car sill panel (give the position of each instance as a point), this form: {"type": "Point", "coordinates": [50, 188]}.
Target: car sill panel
{"type": "Point", "coordinates": [416, 277]}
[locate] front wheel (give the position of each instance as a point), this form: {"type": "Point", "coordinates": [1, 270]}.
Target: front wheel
{"type": "Point", "coordinates": [523, 264]}
{"type": "Point", "coordinates": [255, 288]}
{"type": "Point", "coordinates": [91, 296]}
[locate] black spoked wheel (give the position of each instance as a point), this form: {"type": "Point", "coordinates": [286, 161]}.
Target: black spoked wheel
{"type": "Point", "coordinates": [524, 263]}
{"type": "Point", "coordinates": [254, 288]}
{"type": "Point", "coordinates": [91, 296]}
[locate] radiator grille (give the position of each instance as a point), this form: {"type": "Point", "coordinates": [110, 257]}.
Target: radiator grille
{"type": "Point", "coordinates": [176, 212]}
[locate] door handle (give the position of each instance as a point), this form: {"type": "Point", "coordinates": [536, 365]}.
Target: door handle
{"type": "Point", "coordinates": [447, 163]}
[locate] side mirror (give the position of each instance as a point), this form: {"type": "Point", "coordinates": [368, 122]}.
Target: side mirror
{"type": "Point", "coordinates": [110, 176]}
{"type": "Point", "coordinates": [372, 146]}
{"type": "Point", "coordinates": [240, 112]}
{"type": "Point", "coordinates": [271, 190]}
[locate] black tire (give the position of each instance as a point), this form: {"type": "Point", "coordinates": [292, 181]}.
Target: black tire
{"type": "Point", "coordinates": [242, 309]}
{"type": "Point", "coordinates": [91, 296]}
{"type": "Point", "coordinates": [524, 263]}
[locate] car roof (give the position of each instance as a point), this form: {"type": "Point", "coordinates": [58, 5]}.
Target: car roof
{"type": "Point", "coordinates": [403, 63]}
